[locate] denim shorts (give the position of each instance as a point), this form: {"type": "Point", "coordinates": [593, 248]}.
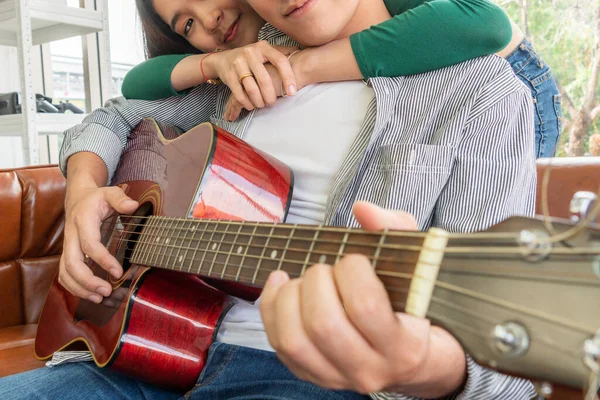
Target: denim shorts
{"type": "Point", "coordinates": [537, 76]}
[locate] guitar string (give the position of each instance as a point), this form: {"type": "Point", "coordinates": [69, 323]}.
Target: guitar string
{"type": "Point", "coordinates": [447, 321]}
{"type": "Point", "coordinates": [448, 250]}
{"type": "Point", "coordinates": [479, 235]}
{"type": "Point", "coordinates": [149, 254]}
{"type": "Point", "coordinates": [452, 288]}
{"type": "Point", "coordinates": [537, 273]}
{"type": "Point", "coordinates": [311, 228]}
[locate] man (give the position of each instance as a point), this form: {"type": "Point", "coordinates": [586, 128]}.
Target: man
{"type": "Point", "coordinates": [453, 147]}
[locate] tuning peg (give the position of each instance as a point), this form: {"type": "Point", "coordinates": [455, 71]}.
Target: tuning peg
{"type": "Point", "coordinates": [581, 204]}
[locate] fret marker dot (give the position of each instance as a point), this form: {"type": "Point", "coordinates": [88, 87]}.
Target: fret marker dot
{"type": "Point", "coordinates": [214, 246]}
{"type": "Point", "coordinates": [322, 259]}
{"type": "Point", "coordinates": [158, 239]}
{"type": "Point", "coordinates": [193, 228]}
{"type": "Point", "coordinates": [239, 250]}
{"type": "Point", "coordinates": [274, 254]}
{"type": "Point", "coordinates": [167, 241]}
{"type": "Point", "coordinates": [180, 259]}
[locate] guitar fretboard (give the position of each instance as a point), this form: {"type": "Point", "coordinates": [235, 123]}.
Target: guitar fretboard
{"type": "Point", "coordinates": [247, 252]}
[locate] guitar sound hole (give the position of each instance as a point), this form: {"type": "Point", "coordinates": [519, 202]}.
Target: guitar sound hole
{"type": "Point", "coordinates": [131, 229]}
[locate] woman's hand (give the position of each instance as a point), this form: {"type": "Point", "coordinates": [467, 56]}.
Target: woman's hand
{"type": "Point", "coordinates": [244, 71]}
{"type": "Point", "coordinates": [234, 107]}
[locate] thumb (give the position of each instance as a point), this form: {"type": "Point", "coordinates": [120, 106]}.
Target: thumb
{"type": "Point", "coordinates": [374, 218]}
{"type": "Point", "coordinates": [119, 201]}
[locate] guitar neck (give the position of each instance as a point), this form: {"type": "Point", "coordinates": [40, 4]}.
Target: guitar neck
{"type": "Point", "coordinates": [248, 252]}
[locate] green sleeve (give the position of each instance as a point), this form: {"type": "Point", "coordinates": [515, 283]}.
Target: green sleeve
{"type": "Point", "coordinates": [426, 35]}
{"type": "Point", "coordinates": [151, 80]}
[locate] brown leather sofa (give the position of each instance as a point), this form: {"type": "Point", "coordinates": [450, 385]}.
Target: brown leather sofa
{"type": "Point", "coordinates": [31, 226]}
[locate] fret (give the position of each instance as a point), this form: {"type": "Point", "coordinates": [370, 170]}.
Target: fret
{"type": "Point", "coordinates": [235, 240]}
{"type": "Point", "coordinates": [237, 276]}
{"type": "Point", "coordinates": [169, 241]}
{"type": "Point", "coordinates": [156, 237]}
{"type": "Point", "coordinates": [310, 250]}
{"type": "Point", "coordinates": [178, 240]}
{"type": "Point", "coordinates": [181, 260]}
{"type": "Point", "coordinates": [218, 249]}
{"type": "Point", "coordinates": [163, 241]}
{"type": "Point", "coordinates": [287, 244]}
{"type": "Point", "coordinates": [146, 248]}
{"type": "Point", "coordinates": [194, 229]}
{"type": "Point", "coordinates": [262, 255]}
{"type": "Point", "coordinates": [378, 250]}
{"type": "Point", "coordinates": [208, 244]}
{"type": "Point", "coordinates": [340, 253]}
{"type": "Point", "coordinates": [137, 253]}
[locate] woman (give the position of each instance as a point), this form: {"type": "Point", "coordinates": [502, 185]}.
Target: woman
{"type": "Point", "coordinates": [455, 31]}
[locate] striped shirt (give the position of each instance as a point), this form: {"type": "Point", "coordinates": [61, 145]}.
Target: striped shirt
{"type": "Point", "coordinates": [453, 147]}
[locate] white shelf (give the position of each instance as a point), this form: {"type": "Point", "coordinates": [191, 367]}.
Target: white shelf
{"type": "Point", "coordinates": [49, 22]}
{"type": "Point", "coordinates": [47, 124]}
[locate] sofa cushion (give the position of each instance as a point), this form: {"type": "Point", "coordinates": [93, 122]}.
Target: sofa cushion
{"type": "Point", "coordinates": [36, 276]}
{"type": "Point", "coordinates": [42, 213]}
{"type": "Point", "coordinates": [17, 336]}
{"type": "Point", "coordinates": [16, 350]}
{"type": "Point", "coordinates": [10, 206]}
{"type": "Point", "coordinates": [11, 301]}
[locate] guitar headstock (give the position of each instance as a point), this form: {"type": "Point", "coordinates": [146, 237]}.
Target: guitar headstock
{"type": "Point", "coordinates": [523, 297]}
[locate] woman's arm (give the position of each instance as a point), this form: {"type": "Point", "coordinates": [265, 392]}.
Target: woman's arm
{"type": "Point", "coordinates": [151, 79]}
{"type": "Point", "coordinates": [421, 37]}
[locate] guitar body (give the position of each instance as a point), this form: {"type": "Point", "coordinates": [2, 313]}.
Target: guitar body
{"type": "Point", "coordinates": [157, 325]}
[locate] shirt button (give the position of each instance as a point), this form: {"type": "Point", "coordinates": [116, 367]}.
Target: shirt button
{"type": "Point", "coordinates": [386, 91]}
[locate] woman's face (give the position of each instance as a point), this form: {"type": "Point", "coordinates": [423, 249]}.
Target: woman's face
{"type": "Point", "coordinates": [211, 24]}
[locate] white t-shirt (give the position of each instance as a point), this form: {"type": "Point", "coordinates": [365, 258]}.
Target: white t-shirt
{"type": "Point", "coordinates": [311, 132]}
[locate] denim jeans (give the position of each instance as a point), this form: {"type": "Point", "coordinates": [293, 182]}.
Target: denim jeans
{"type": "Point", "coordinates": [231, 372]}
{"type": "Point", "coordinates": [537, 76]}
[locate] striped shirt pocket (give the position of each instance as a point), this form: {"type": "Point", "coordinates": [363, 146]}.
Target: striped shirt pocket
{"type": "Point", "coordinates": [408, 177]}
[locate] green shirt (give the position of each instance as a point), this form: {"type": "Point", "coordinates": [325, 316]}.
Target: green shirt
{"type": "Point", "coordinates": [423, 36]}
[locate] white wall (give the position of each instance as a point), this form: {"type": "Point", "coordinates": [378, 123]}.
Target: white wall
{"type": "Point", "coordinates": [126, 51]}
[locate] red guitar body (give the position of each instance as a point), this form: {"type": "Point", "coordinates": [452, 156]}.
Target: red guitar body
{"type": "Point", "coordinates": [158, 325]}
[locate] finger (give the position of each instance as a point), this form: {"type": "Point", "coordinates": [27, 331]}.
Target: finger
{"type": "Point", "coordinates": [253, 91]}
{"type": "Point", "coordinates": [329, 328]}
{"type": "Point", "coordinates": [238, 92]}
{"type": "Point", "coordinates": [250, 86]}
{"type": "Point", "coordinates": [262, 77]}
{"type": "Point", "coordinates": [119, 201]}
{"type": "Point", "coordinates": [284, 68]}
{"type": "Point", "coordinates": [366, 302]}
{"type": "Point", "coordinates": [292, 341]}
{"type": "Point", "coordinates": [232, 110]}
{"type": "Point", "coordinates": [267, 303]}
{"type": "Point", "coordinates": [82, 277]}
{"type": "Point", "coordinates": [374, 218]}
{"type": "Point", "coordinates": [77, 290]}
{"type": "Point", "coordinates": [88, 229]}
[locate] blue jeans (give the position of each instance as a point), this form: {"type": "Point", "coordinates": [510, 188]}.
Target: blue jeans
{"type": "Point", "coordinates": [536, 74]}
{"type": "Point", "coordinates": [231, 372]}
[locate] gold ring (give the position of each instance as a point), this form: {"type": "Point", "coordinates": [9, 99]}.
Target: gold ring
{"type": "Point", "coordinates": [249, 74]}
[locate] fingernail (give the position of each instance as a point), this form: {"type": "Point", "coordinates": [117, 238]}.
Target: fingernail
{"type": "Point", "coordinates": [115, 272]}
{"type": "Point", "coordinates": [95, 298]}
{"type": "Point", "coordinates": [103, 291]}
{"type": "Point", "coordinates": [276, 278]}
{"type": "Point", "coordinates": [291, 90]}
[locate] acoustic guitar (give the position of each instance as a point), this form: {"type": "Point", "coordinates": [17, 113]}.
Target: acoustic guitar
{"type": "Point", "coordinates": [521, 297]}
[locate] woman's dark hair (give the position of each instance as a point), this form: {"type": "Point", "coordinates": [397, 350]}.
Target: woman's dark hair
{"type": "Point", "coordinates": [158, 37]}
